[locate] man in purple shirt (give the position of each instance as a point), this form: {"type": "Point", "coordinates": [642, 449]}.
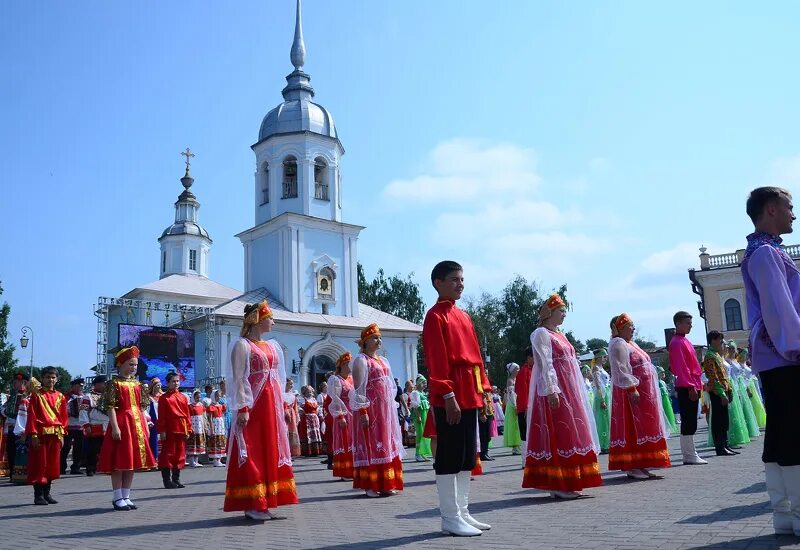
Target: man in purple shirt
{"type": "Point", "coordinates": [684, 365]}
{"type": "Point", "coordinates": [772, 287]}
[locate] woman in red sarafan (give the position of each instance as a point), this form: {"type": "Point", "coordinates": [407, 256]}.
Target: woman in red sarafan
{"type": "Point", "coordinates": [377, 442]}
{"type": "Point", "coordinates": [562, 442]}
{"type": "Point", "coordinates": [638, 430]}
{"type": "Point", "coordinates": [339, 387]}
{"type": "Point", "coordinates": [260, 472]}
{"type": "Point", "coordinates": [126, 446]}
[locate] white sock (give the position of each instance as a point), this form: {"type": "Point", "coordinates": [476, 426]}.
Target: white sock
{"type": "Point", "coordinates": [126, 492]}
{"type": "Point", "coordinates": [117, 494]}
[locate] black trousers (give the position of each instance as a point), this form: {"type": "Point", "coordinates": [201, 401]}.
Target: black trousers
{"type": "Point", "coordinates": [782, 435]}
{"type": "Point", "coordinates": [523, 425]}
{"type": "Point", "coordinates": [483, 433]}
{"type": "Point", "coordinates": [719, 421]}
{"type": "Point", "coordinates": [73, 439]}
{"type": "Point", "coordinates": [456, 444]}
{"type": "Point", "coordinates": [93, 445]}
{"type": "Point", "coordinates": [688, 410]}
{"type": "Point", "coordinates": [11, 448]}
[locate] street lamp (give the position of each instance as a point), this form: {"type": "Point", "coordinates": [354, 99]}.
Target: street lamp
{"type": "Point", "coordinates": [23, 341]}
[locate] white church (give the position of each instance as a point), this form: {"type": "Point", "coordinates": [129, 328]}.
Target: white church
{"type": "Point", "coordinates": [299, 256]}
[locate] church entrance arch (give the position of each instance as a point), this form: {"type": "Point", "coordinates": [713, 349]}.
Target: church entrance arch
{"type": "Point", "coordinates": [319, 366]}
{"type": "Point", "coordinates": [319, 359]}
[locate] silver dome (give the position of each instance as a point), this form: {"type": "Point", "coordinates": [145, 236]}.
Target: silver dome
{"type": "Point", "coordinates": [297, 116]}
{"type": "Point", "coordinates": [185, 228]}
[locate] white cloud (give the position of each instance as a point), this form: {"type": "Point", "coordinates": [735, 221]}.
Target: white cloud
{"type": "Point", "coordinates": [463, 170]}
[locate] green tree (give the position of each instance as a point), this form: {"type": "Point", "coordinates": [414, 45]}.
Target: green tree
{"type": "Point", "coordinates": [394, 295]}
{"type": "Point", "coordinates": [596, 343]}
{"type": "Point", "coordinates": [579, 346]}
{"type": "Point", "coordinates": [8, 363]}
{"type": "Point", "coordinates": [646, 345]}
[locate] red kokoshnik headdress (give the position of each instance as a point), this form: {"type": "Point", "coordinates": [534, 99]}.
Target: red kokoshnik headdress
{"type": "Point", "coordinates": [344, 358]}
{"type": "Point", "coordinates": [126, 354]}
{"type": "Point", "coordinates": [371, 330]}
{"type": "Point", "coordinates": [555, 302]}
{"type": "Point", "coordinates": [623, 320]}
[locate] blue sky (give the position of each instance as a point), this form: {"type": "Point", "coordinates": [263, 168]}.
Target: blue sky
{"type": "Point", "coordinates": [597, 144]}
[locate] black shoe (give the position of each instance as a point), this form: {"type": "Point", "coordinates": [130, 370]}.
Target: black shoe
{"type": "Point", "coordinates": [722, 451]}
{"type": "Point", "coordinates": [89, 473]}
{"type": "Point", "coordinates": [168, 483]}
{"type": "Point", "coordinates": [38, 495]}
{"type": "Point", "coordinates": [734, 452]}
{"type": "Point", "coordinates": [330, 466]}
{"type": "Point", "coordinates": [176, 478]}
{"type": "Point", "coordinates": [46, 494]}
{"type": "Point", "coordinates": [122, 508]}
{"type": "Point", "coordinates": [74, 471]}
{"type": "Point", "coordinates": [133, 506]}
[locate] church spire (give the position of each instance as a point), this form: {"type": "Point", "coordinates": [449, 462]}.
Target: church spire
{"type": "Point", "coordinates": [298, 53]}
{"type": "Point", "coordinates": [298, 85]}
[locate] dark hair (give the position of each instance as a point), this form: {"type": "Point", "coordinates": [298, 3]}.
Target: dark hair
{"type": "Point", "coordinates": [49, 370]}
{"type": "Point", "coordinates": [760, 198]}
{"type": "Point", "coordinates": [249, 307]}
{"type": "Point", "coordinates": [680, 316]}
{"type": "Point", "coordinates": [613, 322]}
{"type": "Point", "coordinates": [443, 269]}
{"type": "Point", "coordinates": [208, 387]}
{"type": "Point", "coordinates": [714, 335]}
{"type": "Point", "coordinates": [528, 352]}
{"type": "Point", "coordinates": [171, 375]}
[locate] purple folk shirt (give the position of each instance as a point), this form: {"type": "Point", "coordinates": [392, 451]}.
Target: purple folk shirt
{"type": "Point", "coordinates": [772, 289]}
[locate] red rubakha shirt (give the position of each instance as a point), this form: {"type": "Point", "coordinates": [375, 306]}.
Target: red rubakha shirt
{"type": "Point", "coordinates": [47, 413]}
{"type": "Point", "coordinates": [173, 414]}
{"type": "Point", "coordinates": [453, 357]}
{"type": "Point", "coordinates": [522, 386]}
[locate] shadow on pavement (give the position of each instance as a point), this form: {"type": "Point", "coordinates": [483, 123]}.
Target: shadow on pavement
{"type": "Point", "coordinates": [387, 543]}
{"type": "Point", "coordinates": [763, 541]}
{"type": "Point", "coordinates": [732, 513]}
{"type": "Point", "coordinates": [758, 487]}
{"type": "Point", "coordinates": [489, 506]}
{"type": "Point", "coordinates": [171, 527]}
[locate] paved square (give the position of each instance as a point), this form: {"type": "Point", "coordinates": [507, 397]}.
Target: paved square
{"type": "Point", "coordinates": [721, 505]}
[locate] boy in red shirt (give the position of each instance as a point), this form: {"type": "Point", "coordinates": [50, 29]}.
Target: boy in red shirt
{"type": "Point", "coordinates": [47, 422]}
{"type": "Point", "coordinates": [459, 389]}
{"type": "Point", "coordinates": [174, 428]}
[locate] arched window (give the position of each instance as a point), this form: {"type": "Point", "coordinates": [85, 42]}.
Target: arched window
{"type": "Point", "coordinates": [733, 314]}
{"type": "Point", "coordinates": [265, 184]}
{"type": "Point", "coordinates": [289, 178]}
{"type": "Point", "coordinates": [321, 179]}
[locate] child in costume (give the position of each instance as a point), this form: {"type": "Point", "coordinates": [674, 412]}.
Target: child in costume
{"type": "Point", "coordinates": [511, 436]}
{"type": "Point", "coordinates": [601, 404]}
{"type": "Point", "coordinates": [666, 402]}
{"type": "Point", "coordinates": [174, 428]}
{"type": "Point", "coordinates": [46, 424]}
{"type": "Point", "coordinates": [218, 438]}
{"type": "Point", "coordinates": [197, 442]}
{"type": "Point", "coordinates": [339, 387]}
{"type": "Point", "coordinates": [126, 448]}
{"type": "Point", "coordinates": [309, 429]}
{"type": "Point", "coordinates": [419, 414]}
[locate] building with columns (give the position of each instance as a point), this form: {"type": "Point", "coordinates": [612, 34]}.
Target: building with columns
{"type": "Point", "coordinates": [299, 255]}
{"type": "Point", "coordinates": [719, 285]}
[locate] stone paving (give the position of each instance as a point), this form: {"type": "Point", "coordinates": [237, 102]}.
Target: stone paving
{"type": "Point", "coordinates": [721, 505]}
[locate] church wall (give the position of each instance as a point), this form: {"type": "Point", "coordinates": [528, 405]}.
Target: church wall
{"type": "Point", "coordinates": [316, 244]}
{"type": "Point", "coordinates": [265, 270]}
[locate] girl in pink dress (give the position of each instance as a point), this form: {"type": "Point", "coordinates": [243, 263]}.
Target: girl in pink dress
{"type": "Point", "coordinates": [340, 386]}
{"type": "Point", "coordinates": [377, 442]}
{"type": "Point", "coordinates": [562, 444]}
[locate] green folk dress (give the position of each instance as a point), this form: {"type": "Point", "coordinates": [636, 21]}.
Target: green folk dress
{"type": "Point", "coordinates": [666, 404]}
{"type": "Point", "coordinates": [511, 436]}
{"type": "Point", "coordinates": [420, 406]}
{"type": "Point", "coordinates": [601, 386]}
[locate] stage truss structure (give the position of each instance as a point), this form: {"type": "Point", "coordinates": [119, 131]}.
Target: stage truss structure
{"type": "Point", "coordinates": [186, 313]}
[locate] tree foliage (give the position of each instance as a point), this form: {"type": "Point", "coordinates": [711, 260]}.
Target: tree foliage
{"type": "Point", "coordinates": [593, 344]}
{"type": "Point", "coordinates": [8, 363]}
{"type": "Point", "coordinates": [504, 324]}
{"type": "Point", "coordinates": [395, 295]}
{"type": "Point", "coordinates": [646, 345]}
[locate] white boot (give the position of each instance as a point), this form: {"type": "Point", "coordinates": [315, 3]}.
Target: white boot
{"type": "Point", "coordinates": [452, 523]}
{"type": "Point", "coordinates": [462, 498]}
{"type": "Point", "coordinates": [779, 499]}
{"type": "Point", "coordinates": [791, 481]}
{"type": "Point", "coordinates": [689, 452]}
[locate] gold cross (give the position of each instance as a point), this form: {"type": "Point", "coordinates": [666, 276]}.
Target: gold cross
{"type": "Point", "coordinates": [188, 154]}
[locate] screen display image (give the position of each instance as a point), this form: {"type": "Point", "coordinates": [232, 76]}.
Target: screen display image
{"type": "Point", "coordinates": [161, 350]}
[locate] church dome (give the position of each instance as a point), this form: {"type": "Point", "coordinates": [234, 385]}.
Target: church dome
{"type": "Point", "coordinates": [298, 115]}
{"type": "Point", "coordinates": [185, 228]}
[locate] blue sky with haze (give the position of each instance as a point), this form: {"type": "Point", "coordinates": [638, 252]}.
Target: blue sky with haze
{"type": "Point", "coordinates": [593, 143]}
